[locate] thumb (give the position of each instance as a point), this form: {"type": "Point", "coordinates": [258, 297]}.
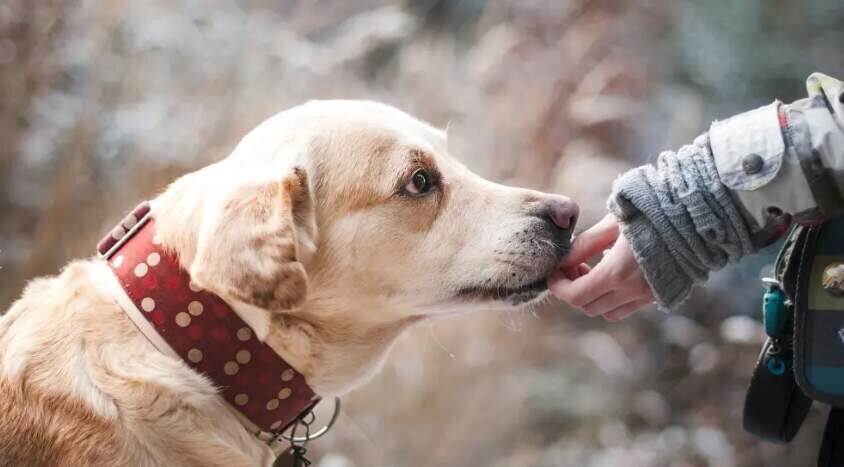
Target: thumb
{"type": "Point", "coordinates": [592, 241]}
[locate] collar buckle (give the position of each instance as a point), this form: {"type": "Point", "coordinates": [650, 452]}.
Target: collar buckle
{"type": "Point", "coordinates": [295, 454]}
{"type": "Point", "coordinates": [306, 419]}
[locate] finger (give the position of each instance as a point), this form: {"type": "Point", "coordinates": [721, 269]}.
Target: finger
{"type": "Point", "coordinates": [577, 292]}
{"type": "Point", "coordinates": [628, 309]}
{"type": "Point", "coordinates": [607, 302]}
{"type": "Point", "coordinates": [574, 272]}
{"type": "Point", "coordinates": [593, 241]}
{"type": "Point", "coordinates": [583, 269]}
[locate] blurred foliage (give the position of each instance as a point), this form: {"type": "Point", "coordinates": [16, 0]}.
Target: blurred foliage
{"type": "Point", "coordinates": [104, 103]}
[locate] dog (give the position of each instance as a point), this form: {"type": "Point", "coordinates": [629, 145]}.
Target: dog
{"type": "Point", "coordinates": [330, 229]}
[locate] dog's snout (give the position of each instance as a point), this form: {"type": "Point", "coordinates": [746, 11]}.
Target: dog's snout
{"type": "Point", "coordinates": [562, 212]}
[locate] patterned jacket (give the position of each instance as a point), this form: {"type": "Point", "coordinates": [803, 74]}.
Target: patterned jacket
{"type": "Point", "coordinates": [786, 157]}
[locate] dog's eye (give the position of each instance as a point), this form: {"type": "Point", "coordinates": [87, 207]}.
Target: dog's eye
{"type": "Point", "coordinates": [419, 184]}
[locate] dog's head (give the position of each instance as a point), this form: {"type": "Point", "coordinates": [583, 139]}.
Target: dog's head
{"type": "Point", "coordinates": [357, 206]}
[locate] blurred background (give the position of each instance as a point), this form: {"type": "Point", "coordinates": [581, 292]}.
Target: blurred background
{"type": "Point", "coordinates": [103, 103]}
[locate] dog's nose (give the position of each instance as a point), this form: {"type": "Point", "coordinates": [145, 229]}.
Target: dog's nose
{"type": "Point", "coordinates": [562, 212]}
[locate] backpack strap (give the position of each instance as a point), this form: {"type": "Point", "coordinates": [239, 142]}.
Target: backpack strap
{"type": "Point", "coordinates": [775, 407]}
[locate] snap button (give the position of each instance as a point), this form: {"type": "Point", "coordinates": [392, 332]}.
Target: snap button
{"type": "Point", "coordinates": [773, 211]}
{"type": "Point", "coordinates": [752, 164]}
{"type": "Point", "coordinates": [833, 279]}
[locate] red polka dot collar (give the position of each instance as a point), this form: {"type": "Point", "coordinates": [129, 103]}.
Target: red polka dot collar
{"type": "Point", "coordinates": [202, 329]}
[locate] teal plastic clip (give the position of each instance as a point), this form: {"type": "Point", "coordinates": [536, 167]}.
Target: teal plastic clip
{"type": "Point", "coordinates": [774, 309]}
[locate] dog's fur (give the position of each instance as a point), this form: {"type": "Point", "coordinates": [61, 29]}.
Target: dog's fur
{"type": "Point", "coordinates": [309, 231]}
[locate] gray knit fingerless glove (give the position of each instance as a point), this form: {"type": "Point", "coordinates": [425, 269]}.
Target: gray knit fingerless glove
{"type": "Point", "coordinates": [680, 221]}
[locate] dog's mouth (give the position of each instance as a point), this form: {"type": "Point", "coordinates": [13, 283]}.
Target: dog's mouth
{"type": "Point", "coordinates": [532, 285]}
{"type": "Point", "coordinates": [514, 295]}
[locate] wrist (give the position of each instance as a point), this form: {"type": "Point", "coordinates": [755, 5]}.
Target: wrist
{"type": "Point", "coordinates": [670, 284]}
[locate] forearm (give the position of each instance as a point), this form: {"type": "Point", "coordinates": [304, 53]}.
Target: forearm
{"type": "Point", "coordinates": [734, 190]}
{"type": "Point", "coordinates": [680, 221]}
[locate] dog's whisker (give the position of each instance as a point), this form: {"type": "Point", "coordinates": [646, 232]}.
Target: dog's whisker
{"type": "Point", "coordinates": [439, 343]}
{"type": "Point", "coordinates": [531, 308]}
{"type": "Point", "coordinates": [512, 325]}
{"type": "Point", "coordinates": [515, 320]}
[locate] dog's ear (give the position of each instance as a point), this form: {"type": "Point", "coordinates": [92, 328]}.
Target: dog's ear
{"type": "Point", "coordinates": [250, 239]}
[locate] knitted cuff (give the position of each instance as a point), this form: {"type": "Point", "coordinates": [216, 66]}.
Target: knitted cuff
{"type": "Point", "coordinates": [680, 221]}
{"type": "Point", "coordinates": [670, 284]}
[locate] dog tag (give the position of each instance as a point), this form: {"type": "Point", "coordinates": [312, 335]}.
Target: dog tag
{"type": "Point", "coordinates": [292, 457]}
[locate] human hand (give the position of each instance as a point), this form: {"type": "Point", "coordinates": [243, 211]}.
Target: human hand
{"type": "Point", "coordinates": [615, 288]}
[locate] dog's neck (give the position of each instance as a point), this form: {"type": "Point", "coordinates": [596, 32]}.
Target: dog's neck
{"type": "Point", "coordinates": [326, 340]}
{"type": "Point", "coordinates": [333, 348]}
{"type": "Point", "coordinates": [315, 338]}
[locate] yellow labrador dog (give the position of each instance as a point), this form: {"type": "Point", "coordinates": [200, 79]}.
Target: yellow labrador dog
{"type": "Point", "coordinates": [331, 229]}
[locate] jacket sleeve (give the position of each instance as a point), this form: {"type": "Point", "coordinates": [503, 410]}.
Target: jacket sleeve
{"type": "Point", "coordinates": [786, 158]}
{"type": "Point", "coordinates": [734, 190]}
